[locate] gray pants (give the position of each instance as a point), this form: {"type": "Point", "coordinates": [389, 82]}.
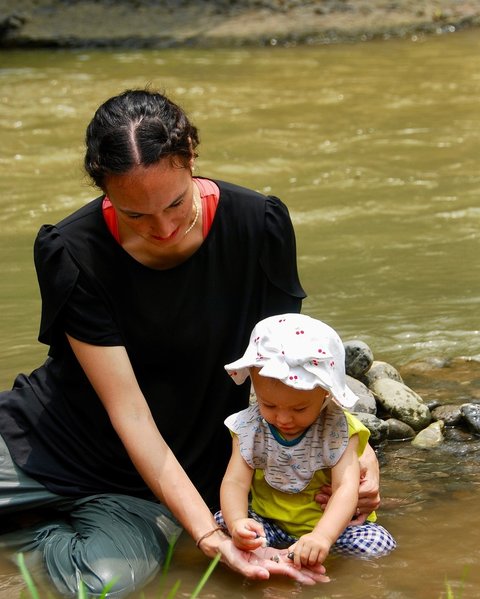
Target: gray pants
{"type": "Point", "coordinates": [96, 539]}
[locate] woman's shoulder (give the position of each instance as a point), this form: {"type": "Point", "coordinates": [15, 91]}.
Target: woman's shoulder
{"type": "Point", "coordinates": [73, 230]}
{"type": "Point", "coordinates": [235, 192]}
{"type": "Point", "coordinates": [232, 189]}
{"type": "Point", "coordinates": [86, 215]}
{"type": "Point", "coordinates": [254, 210]}
{"type": "Point", "coordinates": [78, 239]}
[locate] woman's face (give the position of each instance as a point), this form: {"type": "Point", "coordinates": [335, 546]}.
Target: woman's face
{"type": "Point", "coordinates": [154, 202]}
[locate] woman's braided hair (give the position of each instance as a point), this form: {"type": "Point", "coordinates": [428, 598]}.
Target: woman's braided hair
{"type": "Point", "coordinates": [137, 127]}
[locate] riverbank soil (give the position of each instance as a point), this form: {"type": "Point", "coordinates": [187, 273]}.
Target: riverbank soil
{"type": "Point", "coordinates": [223, 23]}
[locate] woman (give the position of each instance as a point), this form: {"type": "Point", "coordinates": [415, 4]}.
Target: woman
{"type": "Point", "coordinates": [146, 292]}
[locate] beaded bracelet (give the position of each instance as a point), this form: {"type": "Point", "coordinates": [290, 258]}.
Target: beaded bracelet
{"type": "Point", "coordinates": [207, 534]}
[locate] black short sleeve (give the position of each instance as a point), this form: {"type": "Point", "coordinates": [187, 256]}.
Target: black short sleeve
{"type": "Point", "coordinates": [69, 303]}
{"type": "Point", "coordinates": [279, 255]}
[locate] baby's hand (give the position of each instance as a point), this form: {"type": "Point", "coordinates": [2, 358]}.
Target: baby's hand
{"type": "Point", "coordinates": [309, 550]}
{"type": "Point", "coordinates": [248, 534]}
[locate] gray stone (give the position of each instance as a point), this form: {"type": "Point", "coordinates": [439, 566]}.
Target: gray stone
{"type": "Point", "coordinates": [380, 370]}
{"type": "Point", "coordinates": [398, 430]}
{"type": "Point", "coordinates": [449, 413]}
{"type": "Point", "coordinates": [366, 400]}
{"type": "Point", "coordinates": [401, 402]}
{"type": "Point", "coordinates": [430, 437]}
{"type": "Point", "coordinates": [378, 428]}
{"type": "Point", "coordinates": [471, 415]}
{"type": "Point", "coordinates": [459, 439]}
{"type": "Point", "coordinates": [358, 358]}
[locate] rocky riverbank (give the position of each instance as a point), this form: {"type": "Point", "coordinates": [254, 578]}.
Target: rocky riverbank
{"type": "Point", "coordinates": [426, 403]}
{"type": "Point", "coordinates": [224, 23]}
{"type": "Point", "coordinates": [392, 410]}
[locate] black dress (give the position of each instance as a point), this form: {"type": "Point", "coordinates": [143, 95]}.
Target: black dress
{"type": "Point", "coordinates": [180, 327]}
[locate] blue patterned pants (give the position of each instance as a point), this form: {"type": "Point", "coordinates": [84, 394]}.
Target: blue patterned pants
{"type": "Point", "coordinates": [364, 540]}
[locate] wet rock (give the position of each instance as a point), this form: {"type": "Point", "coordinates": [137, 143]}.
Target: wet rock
{"type": "Point", "coordinates": [402, 403]}
{"type": "Point", "coordinates": [449, 413]}
{"type": "Point", "coordinates": [366, 400]}
{"type": "Point", "coordinates": [457, 436]}
{"type": "Point", "coordinates": [10, 23]}
{"type": "Point", "coordinates": [471, 415]}
{"type": "Point", "coordinates": [427, 364]}
{"type": "Point", "coordinates": [430, 437]}
{"type": "Point", "coordinates": [454, 380]}
{"type": "Point", "coordinates": [398, 430]}
{"type": "Point", "coordinates": [378, 428]}
{"type": "Point", "coordinates": [380, 370]}
{"type": "Point", "coordinates": [358, 358]}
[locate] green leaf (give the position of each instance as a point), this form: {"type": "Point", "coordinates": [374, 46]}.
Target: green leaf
{"type": "Point", "coordinates": [206, 576]}
{"type": "Point", "coordinates": [26, 577]}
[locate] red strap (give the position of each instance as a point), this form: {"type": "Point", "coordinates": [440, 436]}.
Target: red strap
{"type": "Point", "coordinates": [110, 217]}
{"type": "Point", "coordinates": [210, 195]}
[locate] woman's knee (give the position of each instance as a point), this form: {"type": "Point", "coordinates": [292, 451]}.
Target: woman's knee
{"type": "Point", "coordinates": [117, 541]}
{"type": "Point", "coordinates": [99, 564]}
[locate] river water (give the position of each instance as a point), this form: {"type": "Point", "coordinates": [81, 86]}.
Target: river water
{"type": "Point", "coordinates": [374, 147]}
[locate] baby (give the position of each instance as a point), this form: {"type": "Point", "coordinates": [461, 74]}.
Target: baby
{"type": "Point", "coordinates": [293, 440]}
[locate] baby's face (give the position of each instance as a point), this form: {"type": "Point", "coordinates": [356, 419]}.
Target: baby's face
{"type": "Point", "coordinates": [289, 410]}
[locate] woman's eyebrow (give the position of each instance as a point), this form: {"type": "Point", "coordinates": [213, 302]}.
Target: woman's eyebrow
{"type": "Point", "coordinates": [174, 201]}
{"type": "Point", "coordinates": [179, 197]}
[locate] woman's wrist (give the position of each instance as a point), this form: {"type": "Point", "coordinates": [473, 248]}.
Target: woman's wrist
{"type": "Point", "coordinates": [207, 534]}
{"type": "Point", "coordinates": [210, 541]}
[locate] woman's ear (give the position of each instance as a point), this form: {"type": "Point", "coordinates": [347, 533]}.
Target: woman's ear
{"type": "Point", "coordinates": [191, 161]}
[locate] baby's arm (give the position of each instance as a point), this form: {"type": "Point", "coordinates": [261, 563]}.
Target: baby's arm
{"type": "Point", "coordinates": [247, 534]}
{"type": "Point", "coordinates": [313, 547]}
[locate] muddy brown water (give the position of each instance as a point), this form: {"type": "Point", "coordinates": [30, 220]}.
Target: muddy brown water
{"type": "Point", "coordinates": [374, 147]}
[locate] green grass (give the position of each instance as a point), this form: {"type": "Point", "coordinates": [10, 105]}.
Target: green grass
{"type": "Point", "coordinates": [450, 594]}
{"type": "Point", "coordinates": [173, 592]}
{"type": "Point", "coordinates": [82, 592]}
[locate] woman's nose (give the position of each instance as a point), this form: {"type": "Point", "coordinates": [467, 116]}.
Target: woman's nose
{"type": "Point", "coordinates": [161, 227]}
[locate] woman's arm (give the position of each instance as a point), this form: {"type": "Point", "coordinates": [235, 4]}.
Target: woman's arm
{"type": "Point", "coordinates": [247, 533]}
{"type": "Point", "coordinates": [369, 491]}
{"type": "Point", "coordinates": [313, 547]}
{"type": "Point", "coordinates": [110, 372]}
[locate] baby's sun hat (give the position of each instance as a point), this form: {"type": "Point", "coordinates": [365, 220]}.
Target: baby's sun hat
{"type": "Point", "coordinates": [298, 350]}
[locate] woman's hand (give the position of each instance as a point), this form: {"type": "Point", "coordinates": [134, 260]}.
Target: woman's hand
{"type": "Point", "coordinates": [262, 563]}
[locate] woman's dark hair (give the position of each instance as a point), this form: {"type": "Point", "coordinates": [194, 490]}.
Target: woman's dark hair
{"type": "Point", "coordinates": [137, 128]}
